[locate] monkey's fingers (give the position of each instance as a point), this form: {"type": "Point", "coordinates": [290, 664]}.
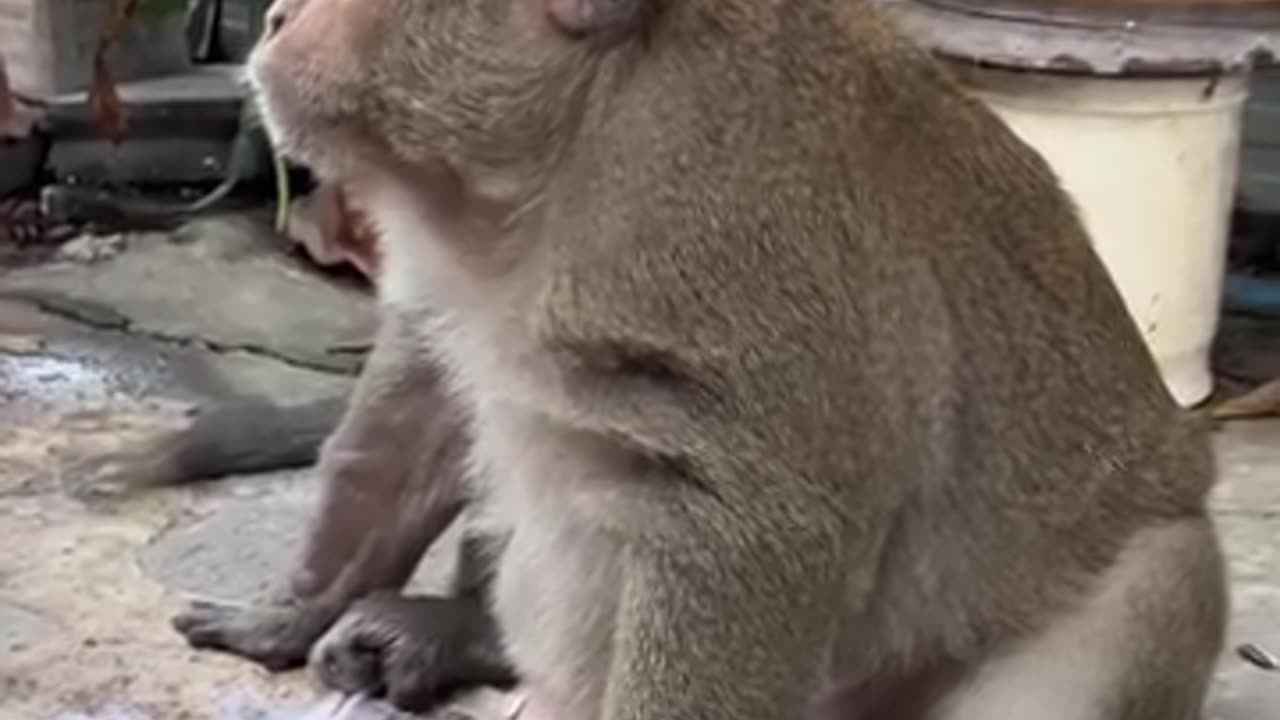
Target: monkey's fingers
{"type": "Point", "coordinates": [415, 675]}
{"type": "Point", "coordinates": [275, 637]}
{"type": "Point", "coordinates": [387, 645]}
{"type": "Point", "coordinates": [418, 652]}
{"type": "Point", "coordinates": [348, 658]}
{"type": "Point", "coordinates": [420, 674]}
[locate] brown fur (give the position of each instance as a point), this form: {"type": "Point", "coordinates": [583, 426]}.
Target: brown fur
{"type": "Point", "coordinates": [789, 367]}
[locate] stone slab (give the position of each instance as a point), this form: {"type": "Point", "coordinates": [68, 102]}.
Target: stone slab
{"type": "Point", "coordinates": [226, 283]}
{"type": "Point", "coordinates": [50, 365]}
{"type": "Point", "coordinates": [243, 549]}
{"type": "Point", "coordinates": [236, 555]}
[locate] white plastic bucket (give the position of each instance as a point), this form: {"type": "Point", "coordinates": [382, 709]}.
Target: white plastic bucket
{"type": "Point", "coordinates": [1152, 164]}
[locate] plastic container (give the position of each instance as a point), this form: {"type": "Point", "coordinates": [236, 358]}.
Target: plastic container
{"type": "Point", "coordinates": [1152, 164]}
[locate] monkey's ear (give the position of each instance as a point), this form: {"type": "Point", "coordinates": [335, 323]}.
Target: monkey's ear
{"type": "Point", "coordinates": [591, 17]}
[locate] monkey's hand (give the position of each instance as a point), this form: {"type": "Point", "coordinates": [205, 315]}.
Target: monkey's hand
{"type": "Point", "coordinates": [417, 652]}
{"type": "Point", "coordinates": [276, 635]}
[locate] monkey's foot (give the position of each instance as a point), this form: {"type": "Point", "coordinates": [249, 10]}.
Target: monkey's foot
{"type": "Point", "coordinates": [416, 652]}
{"type": "Point", "coordinates": [278, 637]}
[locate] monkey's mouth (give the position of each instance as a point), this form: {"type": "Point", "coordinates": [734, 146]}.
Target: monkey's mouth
{"type": "Point", "coordinates": [267, 94]}
{"type": "Point", "coordinates": [299, 130]}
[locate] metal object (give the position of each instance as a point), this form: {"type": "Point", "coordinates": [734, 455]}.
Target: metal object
{"type": "Point", "coordinates": [1132, 40]}
{"type": "Point", "coordinates": [1258, 657]}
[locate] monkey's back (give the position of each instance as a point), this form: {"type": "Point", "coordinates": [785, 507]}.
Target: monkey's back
{"type": "Point", "coordinates": [869, 291]}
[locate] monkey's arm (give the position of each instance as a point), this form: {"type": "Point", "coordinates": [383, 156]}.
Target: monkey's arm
{"type": "Point", "coordinates": [418, 652]}
{"type": "Point", "coordinates": [392, 474]}
{"type": "Point", "coordinates": [733, 627]}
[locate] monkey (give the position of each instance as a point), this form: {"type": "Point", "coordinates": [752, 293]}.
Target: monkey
{"type": "Point", "coordinates": [391, 474]}
{"type": "Point", "coordinates": [374, 523]}
{"type": "Point", "coordinates": [348, 551]}
{"type": "Point", "coordinates": [351, 549]}
{"type": "Point", "coordinates": [792, 379]}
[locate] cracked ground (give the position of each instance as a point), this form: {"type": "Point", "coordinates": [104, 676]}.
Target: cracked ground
{"type": "Point", "coordinates": [98, 348]}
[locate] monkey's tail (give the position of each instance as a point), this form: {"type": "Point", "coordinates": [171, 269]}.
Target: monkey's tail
{"type": "Point", "coordinates": [253, 436]}
{"type": "Point", "coordinates": [225, 438]}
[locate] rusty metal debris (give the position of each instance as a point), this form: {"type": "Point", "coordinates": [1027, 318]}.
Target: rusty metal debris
{"type": "Point", "coordinates": [1258, 657]}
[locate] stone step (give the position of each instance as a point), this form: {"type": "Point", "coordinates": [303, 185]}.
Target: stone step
{"type": "Point", "coordinates": [179, 130]}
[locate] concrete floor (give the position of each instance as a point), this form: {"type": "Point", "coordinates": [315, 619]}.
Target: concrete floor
{"type": "Point", "coordinates": [94, 354]}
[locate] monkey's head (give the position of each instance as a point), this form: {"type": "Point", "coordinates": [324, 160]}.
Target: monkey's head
{"type": "Point", "coordinates": [485, 90]}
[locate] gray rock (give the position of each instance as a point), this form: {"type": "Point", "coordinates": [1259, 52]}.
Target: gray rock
{"type": "Point", "coordinates": [227, 284]}
{"type": "Point", "coordinates": [236, 555]}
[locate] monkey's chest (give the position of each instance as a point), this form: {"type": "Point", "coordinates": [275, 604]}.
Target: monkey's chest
{"type": "Point", "coordinates": [556, 590]}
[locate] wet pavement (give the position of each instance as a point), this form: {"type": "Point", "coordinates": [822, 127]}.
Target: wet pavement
{"type": "Point", "coordinates": [98, 350]}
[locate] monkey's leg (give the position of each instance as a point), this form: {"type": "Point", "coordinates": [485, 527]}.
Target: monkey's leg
{"type": "Point", "coordinates": [1143, 647]}
{"type": "Point", "coordinates": [419, 651]}
{"type": "Point", "coordinates": [392, 474]}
